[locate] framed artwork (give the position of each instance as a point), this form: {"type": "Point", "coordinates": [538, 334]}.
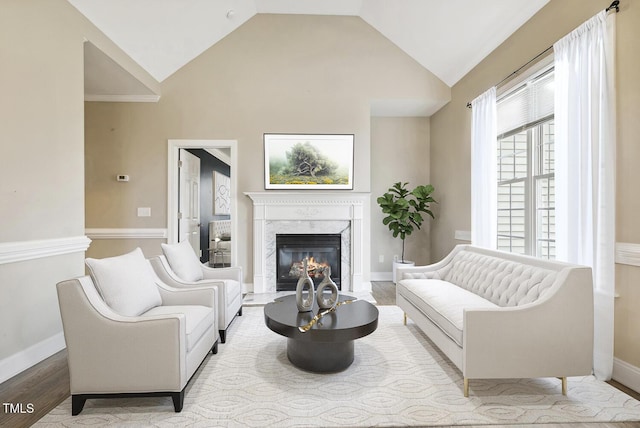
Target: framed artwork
{"type": "Point", "coordinates": [221, 194]}
{"type": "Point", "coordinates": [308, 161]}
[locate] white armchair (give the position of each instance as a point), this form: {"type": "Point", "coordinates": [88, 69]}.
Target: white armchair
{"type": "Point", "coordinates": [226, 281]}
{"type": "Point", "coordinates": [113, 351]}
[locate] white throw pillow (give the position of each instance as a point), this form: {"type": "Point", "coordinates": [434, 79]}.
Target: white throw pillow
{"type": "Point", "coordinates": [183, 261]}
{"type": "Point", "coordinates": [126, 283]}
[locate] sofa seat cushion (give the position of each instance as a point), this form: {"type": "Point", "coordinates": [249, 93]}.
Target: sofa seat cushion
{"type": "Point", "coordinates": [443, 303]}
{"type": "Point", "coordinates": [198, 319]}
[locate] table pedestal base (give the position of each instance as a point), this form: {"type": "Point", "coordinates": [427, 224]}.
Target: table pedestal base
{"type": "Point", "coordinates": [320, 357]}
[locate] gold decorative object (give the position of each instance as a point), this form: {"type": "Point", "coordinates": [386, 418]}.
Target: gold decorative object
{"type": "Point", "coordinates": [305, 328]}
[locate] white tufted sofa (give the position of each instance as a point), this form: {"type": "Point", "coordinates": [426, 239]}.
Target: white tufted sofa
{"type": "Point", "coordinates": [501, 315]}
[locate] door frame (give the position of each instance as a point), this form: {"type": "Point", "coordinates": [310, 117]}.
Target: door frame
{"type": "Point", "coordinates": [174, 147]}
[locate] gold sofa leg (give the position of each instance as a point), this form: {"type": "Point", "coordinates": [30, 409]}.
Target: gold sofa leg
{"type": "Point", "coordinates": [405, 318]}
{"type": "Point", "coordinates": [564, 385]}
{"type": "Point", "coordinates": [466, 387]}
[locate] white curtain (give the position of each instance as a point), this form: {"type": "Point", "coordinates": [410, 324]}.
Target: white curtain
{"type": "Point", "coordinates": [585, 166]}
{"type": "Point", "coordinates": [484, 184]}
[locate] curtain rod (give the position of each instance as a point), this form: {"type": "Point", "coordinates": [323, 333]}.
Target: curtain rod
{"type": "Point", "coordinates": [615, 5]}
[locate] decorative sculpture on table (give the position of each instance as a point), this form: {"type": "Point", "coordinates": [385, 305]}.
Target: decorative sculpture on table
{"type": "Point", "coordinates": [304, 305]}
{"type": "Point", "coordinates": [327, 282]}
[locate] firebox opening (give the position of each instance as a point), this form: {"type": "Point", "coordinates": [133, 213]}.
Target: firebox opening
{"type": "Point", "coordinates": [321, 250]}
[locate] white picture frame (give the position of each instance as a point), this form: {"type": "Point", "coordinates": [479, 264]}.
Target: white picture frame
{"type": "Point", "coordinates": [285, 167]}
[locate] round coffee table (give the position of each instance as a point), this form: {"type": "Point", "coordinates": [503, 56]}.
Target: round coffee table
{"type": "Point", "coordinates": [328, 346]}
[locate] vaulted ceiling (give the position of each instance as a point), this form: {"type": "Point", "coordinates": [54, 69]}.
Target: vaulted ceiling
{"type": "Point", "coordinates": [447, 37]}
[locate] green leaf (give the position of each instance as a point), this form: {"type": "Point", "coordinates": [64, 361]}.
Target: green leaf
{"type": "Point", "coordinates": [404, 208]}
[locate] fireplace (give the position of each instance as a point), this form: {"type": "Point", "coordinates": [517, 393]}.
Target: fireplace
{"type": "Point", "coordinates": [320, 250]}
{"type": "Point", "coordinates": [344, 213]}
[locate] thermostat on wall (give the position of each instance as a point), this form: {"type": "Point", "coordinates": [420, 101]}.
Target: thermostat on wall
{"type": "Point", "coordinates": [122, 177]}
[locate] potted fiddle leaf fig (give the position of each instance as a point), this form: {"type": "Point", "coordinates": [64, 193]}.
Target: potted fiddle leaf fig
{"type": "Point", "coordinates": [404, 209]}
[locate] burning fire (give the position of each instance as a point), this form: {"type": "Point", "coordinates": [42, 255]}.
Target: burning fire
{"type": "Point", "coordinates": [315, 269]}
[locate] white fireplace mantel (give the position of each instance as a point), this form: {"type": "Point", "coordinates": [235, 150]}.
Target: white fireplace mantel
{"type": "Point", "coordinates": [308, 210]}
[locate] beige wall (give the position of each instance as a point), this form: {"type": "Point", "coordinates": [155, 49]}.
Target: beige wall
{"type": "Point", "coordinates": [627, 316]}
{"type": "Point", "coordinates": [399, 152]}
{"type": "Point", "coordinates": [276, 73]}
{"type": "Point", "coordinates": [42, 163]}
{"type": "Point", "coordinates": [450, 141]}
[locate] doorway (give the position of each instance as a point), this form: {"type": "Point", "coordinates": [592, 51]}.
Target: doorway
{"type": "Point", "coordinates": [222, 149]}
{"type": "Point", "coordinates": [189, 200]}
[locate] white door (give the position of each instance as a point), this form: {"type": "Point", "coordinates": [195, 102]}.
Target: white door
{"type": "Point", "coordinates": [189, 200]}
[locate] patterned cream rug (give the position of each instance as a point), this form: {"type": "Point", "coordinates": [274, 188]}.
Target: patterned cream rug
{"type": "Point", "coordinates": [398, 378]}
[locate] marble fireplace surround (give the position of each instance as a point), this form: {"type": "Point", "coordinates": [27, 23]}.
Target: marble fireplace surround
{"type": "Point", "coordinates": [310, 212]}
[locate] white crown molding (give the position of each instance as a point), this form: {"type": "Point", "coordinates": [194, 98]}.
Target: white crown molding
{"type": "Point", "coordinates": [627, 254]}
{"type": "Point", "coordinates": [122, 98]}
{"type": "Point", "coordinates": [11, 252]}
{"type": "Point", "coordinates": [17, 363]}
{"type": "Point", "coordinates": [142, 233]}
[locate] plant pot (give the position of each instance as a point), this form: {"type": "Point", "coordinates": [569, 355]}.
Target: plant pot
{"type": "Point", "coordinates": [397, 264]}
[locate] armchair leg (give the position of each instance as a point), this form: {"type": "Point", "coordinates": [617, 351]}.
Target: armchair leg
{"type": "Point", "coordinates": [214, 349]}
{"type": "Point", "coordinates": [223, 336]}
{"type": "Point", "coordinates": [178, 400]}
{"type": "Point", "coordinates": [405, 319]}
{"type": "Point", "coordinates": [77, 404]}
{"type": "Point", "coordinates": [240, 312]}
{"type": "Point", "coordinates": [466, 387]}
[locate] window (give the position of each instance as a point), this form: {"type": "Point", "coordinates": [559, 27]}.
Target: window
{"type": "Point", "coordinates": [526, 188]}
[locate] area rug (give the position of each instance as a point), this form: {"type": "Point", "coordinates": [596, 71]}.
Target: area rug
{"type": "Point", "coordinates": [398, 378]}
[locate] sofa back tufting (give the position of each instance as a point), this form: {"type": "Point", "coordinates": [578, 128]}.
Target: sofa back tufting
{"type": "Point", "coordinates": [500, 281]}
{"type": "Point", "coordinates": [503, 282]}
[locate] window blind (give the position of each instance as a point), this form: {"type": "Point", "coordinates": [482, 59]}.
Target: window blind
{"type": "Point", "coordinates": [526, 105]}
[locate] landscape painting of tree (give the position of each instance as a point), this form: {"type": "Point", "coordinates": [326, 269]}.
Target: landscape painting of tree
{"type": "Point", "coordinates": [295, 161]}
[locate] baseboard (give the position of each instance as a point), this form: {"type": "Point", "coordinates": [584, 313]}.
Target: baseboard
{"type": "Point", "coordinates": [17, 363]}
{"type": "Point", "coordinates": [626, 374]}
{"type": "Point", "coordinates": [247, 287]}
{"type": "Point", "coordinates": [382, 276]}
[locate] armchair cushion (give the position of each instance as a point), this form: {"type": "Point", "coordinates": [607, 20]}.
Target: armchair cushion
{"type": "Point", "coordinates": [183, 261]}
{"type": "Point", "coordinates": [125, 282]}
{"type": "Point", "coordinates": [198, 319]}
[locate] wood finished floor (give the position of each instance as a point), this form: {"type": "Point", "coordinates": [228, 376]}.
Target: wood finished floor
{"type": "Point", "coordinates": [46, 384]}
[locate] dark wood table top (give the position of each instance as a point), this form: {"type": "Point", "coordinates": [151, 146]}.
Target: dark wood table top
{"type": "Point", "coordinates": [348, 322]}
